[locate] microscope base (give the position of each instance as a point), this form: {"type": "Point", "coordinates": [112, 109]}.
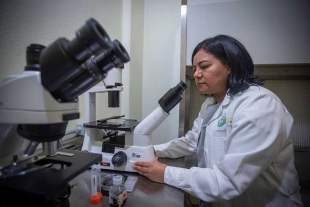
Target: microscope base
{"type": "Point", "coordinates": [133, 154]}
{"type": "Point", "coordinates": [39, 188]}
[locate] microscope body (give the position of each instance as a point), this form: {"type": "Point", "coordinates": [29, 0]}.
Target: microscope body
{"type": "Point", "coordinates": [136, 141]}
{"type": "Point", "coordinates": [25, 102]}
{"type": "Point", "coordinates": [35, 108]}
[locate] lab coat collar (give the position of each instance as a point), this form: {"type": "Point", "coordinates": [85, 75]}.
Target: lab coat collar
{"type": "Point", "coordinates": [209, 101]}
{"type": "Point", "coordinates": [228, 99]}
{"type": "Point", "coordinates": [225, 102]}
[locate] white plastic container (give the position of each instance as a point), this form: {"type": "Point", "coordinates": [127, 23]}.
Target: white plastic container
{"type": "Point", "coordinates": [117, 192]}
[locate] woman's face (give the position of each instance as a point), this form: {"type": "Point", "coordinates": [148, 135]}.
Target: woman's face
{"type": "Point", "coordinates": [210, 75]}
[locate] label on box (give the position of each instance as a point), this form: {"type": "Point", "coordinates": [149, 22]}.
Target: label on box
{"type": "Point", "coordinates": [137, 155]}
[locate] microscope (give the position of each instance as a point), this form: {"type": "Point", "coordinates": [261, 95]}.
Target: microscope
{"type": "Point", "coordinates": [35, 108]}
{"type": "Point", "coordinates": [121, 151]}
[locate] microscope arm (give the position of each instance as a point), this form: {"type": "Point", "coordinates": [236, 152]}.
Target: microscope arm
{"type": "Point", "coordinates": [143, 131]}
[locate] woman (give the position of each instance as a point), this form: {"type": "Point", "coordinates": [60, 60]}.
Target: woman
{"type": "Point", "coordinates": [241, 136]}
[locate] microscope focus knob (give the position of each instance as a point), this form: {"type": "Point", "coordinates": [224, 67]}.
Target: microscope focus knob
{"type": "Point", "coordinates": [119, 159]}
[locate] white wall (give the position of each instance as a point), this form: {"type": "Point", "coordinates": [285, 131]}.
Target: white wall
{"type": "Point", "coordinates": [133, 35]}
{"type": "Point", "coordinates": [275, 31]}
{"type": "Point", "coordinates": [151, 31]}
{"type": "Point", "coordinates": [35, 21]}
{"type": "Point", "coordinates": [161, 61]}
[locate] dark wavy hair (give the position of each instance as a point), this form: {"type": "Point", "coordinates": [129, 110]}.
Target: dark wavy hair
{"type": "Point", "coordinates": [231, 52]}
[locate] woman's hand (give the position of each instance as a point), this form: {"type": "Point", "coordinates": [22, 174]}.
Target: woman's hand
{"type": "Point", "coordinates": [152, 170]}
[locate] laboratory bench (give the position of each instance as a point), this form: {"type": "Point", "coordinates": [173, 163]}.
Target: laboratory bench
{"type": "Point", "coordinates": [145, 193]}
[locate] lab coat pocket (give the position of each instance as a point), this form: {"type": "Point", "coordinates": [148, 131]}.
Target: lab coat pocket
{"type": "Point", "coordinates": [218, 151]}
{"type": "Point", "coordinates": [218, 141]}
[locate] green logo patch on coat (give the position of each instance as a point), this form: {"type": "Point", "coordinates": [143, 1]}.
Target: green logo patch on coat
{"type": "Point", "coordinates": [221, 122]}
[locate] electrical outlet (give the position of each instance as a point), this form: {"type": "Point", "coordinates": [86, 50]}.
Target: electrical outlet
{"type": "Point", "coordinates": [80, 130]}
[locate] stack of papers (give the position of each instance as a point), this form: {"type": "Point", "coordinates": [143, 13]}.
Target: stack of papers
{"type": "Point", "coordinates": [130, 183]}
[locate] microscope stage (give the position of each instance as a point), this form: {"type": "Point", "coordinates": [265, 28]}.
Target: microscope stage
{"type": "Point", "coordinates": [127, 125]}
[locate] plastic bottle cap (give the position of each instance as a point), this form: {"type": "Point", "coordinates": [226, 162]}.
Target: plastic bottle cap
{"type": "Point", "coordinates": [96, 198]}
{"type": "Point", "coordinates": [117, 180]}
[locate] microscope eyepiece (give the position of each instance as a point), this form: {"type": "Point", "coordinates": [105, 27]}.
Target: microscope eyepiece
{"type": "Point", "coordinates": [120, 52]}
{"type": "Point", "coordinates": [180, 87]}
{"type": "Point", "coordinates": [33, 53]}
{"type": "Point", "coordinates": [115, 58]}
{"type": "Point", "coordinates": [90, 40]}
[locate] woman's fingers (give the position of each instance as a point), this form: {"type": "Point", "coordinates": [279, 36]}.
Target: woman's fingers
{"type": "Point", "coordinates": [143, 168]}
{"type": "Point", "coordinates": [140, 168]}
{"type": "Point", "coordinates": [143, 164]}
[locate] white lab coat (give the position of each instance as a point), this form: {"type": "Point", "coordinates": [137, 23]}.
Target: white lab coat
{"type": "Point", "coordinates": [249, 157]}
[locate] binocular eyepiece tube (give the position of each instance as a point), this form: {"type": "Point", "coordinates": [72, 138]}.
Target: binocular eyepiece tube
{"type": "Point", "coordinates": [69, 68]}
{"type": "Point", "coordinates": [172, 97]}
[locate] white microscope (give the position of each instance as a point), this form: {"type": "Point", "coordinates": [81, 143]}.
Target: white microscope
{"type": "Point", "coordinates": [120, 152]}
{"type": "Point", "coordinates": [35, 107]}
